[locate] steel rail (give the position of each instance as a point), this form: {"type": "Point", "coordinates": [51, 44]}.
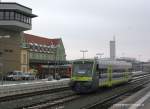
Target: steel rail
{"type": "Point", "coordinates": [52, 91]}
{"type": "Point", "coordinates": [24, 95]}
{"type": "Point", "coordinates": [60, 102]}
{"type": "Point", "coordinates": [29, 101]}
{"type": "Point", "coordinates": [8, 91]}
{"type": "Point", "coordinates": [139, 83]}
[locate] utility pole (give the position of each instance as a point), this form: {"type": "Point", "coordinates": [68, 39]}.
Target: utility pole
{"type": "Point", "coordinates": [83, 51]}
{"type": "Point", "coordinates": [55, 52]}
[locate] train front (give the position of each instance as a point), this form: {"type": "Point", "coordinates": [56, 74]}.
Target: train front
{"type": "Point", "coordinates": [82, 73]}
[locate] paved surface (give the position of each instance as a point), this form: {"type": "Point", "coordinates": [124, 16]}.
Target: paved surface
{"type": "Point", "coordinates": [139, 100]}
{"type": "Point", "coordinates": [146, 104]}
{"type": "Point", "coordinates": [9, 83]}
{"type": "Point", "coordinates": [21, 87]}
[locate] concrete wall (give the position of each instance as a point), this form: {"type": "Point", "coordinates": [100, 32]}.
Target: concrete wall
{"type": "Point", "coordinates": [15, 25]}
{"type": "Point", "coordinates": [61, 55]}
{"type": "Point", "coordinates": [24, 60]}
{"type": "Point", "coordinates": [11, 50]}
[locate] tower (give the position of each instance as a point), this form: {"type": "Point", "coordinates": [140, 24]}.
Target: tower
{"type": "Point", "coordinates": [14, 20]}
{"type": "Point", "coordinates": [113, 49]}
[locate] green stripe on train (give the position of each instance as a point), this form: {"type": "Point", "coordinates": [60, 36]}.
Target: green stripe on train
{"type": "Point", "coordinates": [113, 82]}
{"type": "Point", "coordinates": [109, 75]}
{"type": "Point", "coordinates": [78, 78]}
{"type": "Point", "coordinates": [126, 75]}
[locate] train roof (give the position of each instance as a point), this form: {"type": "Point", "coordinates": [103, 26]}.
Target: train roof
{"type": "Point", "coordinates": [114, 64]}
{"type": "Point", "coordinates": [85, 60]}
{"type": "Point", "coordinates": [104, 63]}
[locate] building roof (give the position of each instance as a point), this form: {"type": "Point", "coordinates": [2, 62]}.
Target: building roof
{"type": "Point", "coordinates": [17, 7]}
{"type": "Point", "coordinates": [41, 40]}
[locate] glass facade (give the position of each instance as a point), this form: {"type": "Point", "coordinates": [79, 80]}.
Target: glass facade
{"type": "Point", "coordinates": [13, 15]}
{"type": "Point", "coordinates": [41, 56]}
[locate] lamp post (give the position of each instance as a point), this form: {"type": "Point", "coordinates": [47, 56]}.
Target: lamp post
{"type": "Point", "coordinates": [2, 55]}
{"type": "Point", "coordinates": [83, 51]}
{"type": "Point", "coordinates": [48, 67]}
{"type": "Point", "coordinates": [55, 56]}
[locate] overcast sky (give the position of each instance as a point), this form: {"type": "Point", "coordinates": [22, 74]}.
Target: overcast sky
{"type": "Point", "coordinates": [91, 24]}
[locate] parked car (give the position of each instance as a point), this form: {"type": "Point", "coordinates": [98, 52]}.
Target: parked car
{"type": "Point", "coordinates": [29, 76]}
{"type": "Point", "coordinates": [19, 75]}
{"type": "Point", "coordinates": [15, 75]}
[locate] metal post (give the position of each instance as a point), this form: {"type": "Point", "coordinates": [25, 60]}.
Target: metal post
{"type": "Point", "coordinates": [83, 51]}
{"type": "Point", "coordinates": [55, 63]}
{"type": "Point", "coordinates": [48, 67]}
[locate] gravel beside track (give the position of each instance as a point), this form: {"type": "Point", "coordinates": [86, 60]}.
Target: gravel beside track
{"type": "Point", "coordinates": [33, 100]}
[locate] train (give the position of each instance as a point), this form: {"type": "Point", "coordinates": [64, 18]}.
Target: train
{"type": "Point", "coordinates": [89, 75]}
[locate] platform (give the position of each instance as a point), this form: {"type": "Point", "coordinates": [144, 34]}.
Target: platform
{"type": "Point", "coordinates": [139, 100]}
{"type": "Point", "coordinates": [28, 87]}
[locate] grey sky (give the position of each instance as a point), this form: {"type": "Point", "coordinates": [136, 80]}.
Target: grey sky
{"type": "Point", "coordinates": [90, 24]}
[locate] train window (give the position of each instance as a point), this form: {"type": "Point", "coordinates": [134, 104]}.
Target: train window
{"type": "Point", "coordinates": [103, 70]}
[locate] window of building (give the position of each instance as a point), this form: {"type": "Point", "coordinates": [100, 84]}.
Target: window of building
{"type": "Point", "coordinates": [6, 15]}
{"type": "Point", "coordinates": [24, 59]}
{"type": "Point", "coordinates": [25, 19]}
{"type": "Point", "coordinates": [21, 17]}
{"type": "Point", "coordinates": [10, 51]}
{"type": "Point", "coordinates": [1, 15]}
{"type": "Point", "coordinates": [46, 56]}
{"type": "Point", "coordinates": [29, 20]}
{"type": "Point", "coordinates": [38, 55]}
{"type": "Point", "coordinates": [12, 15]}
{"type": "Point", "coordinates": [17, 16]}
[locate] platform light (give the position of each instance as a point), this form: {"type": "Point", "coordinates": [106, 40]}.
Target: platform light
{"type": "Point", "coordinates": [83, 51]}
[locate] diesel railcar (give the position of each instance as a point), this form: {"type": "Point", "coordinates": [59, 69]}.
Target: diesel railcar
{"type": "Point", "coordinates": [90, 74]}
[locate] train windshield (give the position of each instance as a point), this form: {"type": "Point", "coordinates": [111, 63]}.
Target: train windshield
{"type": "Point", "coordinates": [84, 69]}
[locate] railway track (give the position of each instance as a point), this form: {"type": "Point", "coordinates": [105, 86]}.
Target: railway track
{"type": "Point", "coordinates": [34, 100]}
{"type": "Point", "coordinates": [63, 97]}
{"type": "Point", "coordinates": [116, 96]}
{"type": "Point", "coordinates": [58, 103]}
{"type": "Point", "coordinates": [102, 97]}
{"type": "Point", "coordinates": [36, 93]}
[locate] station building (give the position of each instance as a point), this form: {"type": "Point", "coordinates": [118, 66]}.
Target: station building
{"type": "Point", "coordinates": [44, 55]}
{"type": "Point", "coordinates": [26, 52]}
